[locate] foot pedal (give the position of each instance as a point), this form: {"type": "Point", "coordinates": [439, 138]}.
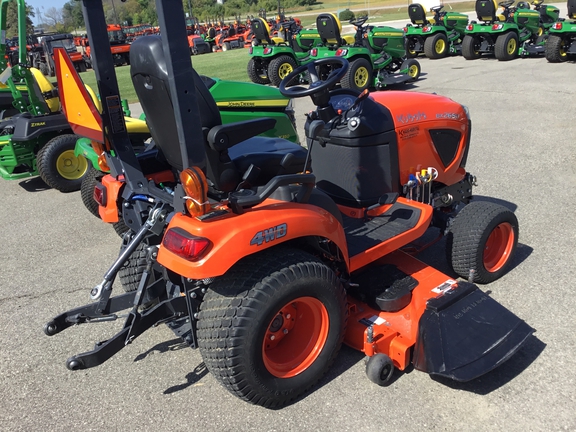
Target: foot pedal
{"type": "Point", "coordinates": [385, 288]}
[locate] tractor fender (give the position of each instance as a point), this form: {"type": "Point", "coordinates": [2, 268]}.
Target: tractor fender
{"type": "Point", "coordinates": [234, 236]}
{"type": "Point", "coordinates": [84, 148]}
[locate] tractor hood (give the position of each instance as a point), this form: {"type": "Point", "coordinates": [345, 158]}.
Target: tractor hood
{"type": "Point", "coordinates": [233, 94]}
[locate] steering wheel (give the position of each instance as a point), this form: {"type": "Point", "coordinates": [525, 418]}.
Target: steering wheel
{"type": "Point", "coordinates": [436, 9]}
{"type": "Point", "coordinates": [506, 4]}
{"type": "Point", "coordinates": [358, 22]}
{"type": "Point", "coordinates": [316, 85]}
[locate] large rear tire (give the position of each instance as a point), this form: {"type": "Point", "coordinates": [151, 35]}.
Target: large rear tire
{"type": "Point", "coordinates": [506, 46]}
{"type": "Point", "coordinates": [281, 67]}
{"type": "Point", "coordinates": [555, 49]}
{"type": "Point", "coordinates": [436, 46]}
{"type": "Point", "coordinates": [272, 325]}
{"type": "Point", "coordinates": [258, 71]}
{"type": "Point", "coordinates": [469, 48]}
{"type": "Point", "coordinates": [92, 178]}
{"type": "Point", "coordinates": [59, 167]}
{"type": "Point", "coordinates": [358, 76]}
{"type": "Point", "coordinates": [482, 238]}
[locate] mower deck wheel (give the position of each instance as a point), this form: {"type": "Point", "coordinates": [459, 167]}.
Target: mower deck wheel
{"type": "Point", "coordinates": [413, 69]}
{"type": "Point", "coordinates": [482, 241]}
{"type": "Point", "coordinates": [506, 46]}
{"type": "Point", "coordinates": [59, 167]}
{"type": "Point", "coordinates": [469, 51]}
{"type": "Point", "coordinates": [379, 369]}
{"type": "Point", "coordinates": [359, 75]}
{"type": "Point", "coordinates": [555, 49]}
{"type": "Point", "coordinates": [436, 46]}
{"type": "Point", "coordinates": [92, 178]}
{"type": "Point", "coordinates": [281, 316]}
{"type": "Point", "coordinates": [258, 71]}
{"type": "Point", "coordinates": [279, 68]}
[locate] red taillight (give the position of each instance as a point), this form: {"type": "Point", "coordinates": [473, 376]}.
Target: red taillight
{"type": "Point", "coordinates": [250, 50]}
{"type": "Point", "coordinates": [405, 29]}
{"type": "Point", "coordinates": [497, 27]}
{"type": "Point", "coordinates": [99, 195]}
{"type": "Point", "coordinates": [314, 52]}
{"type": "Point", "coordinates": [267, 51]}
{"type": "Point", "coordinates": [557, 26]}
{"type": "Point", "coordinates": [426, 29]}
{"type": "Point", "coordinates": [470, 27]}
{"type": "Point", "coordinates": [185, 245]}
{"type": "Point", "coordinates": [341, 52]}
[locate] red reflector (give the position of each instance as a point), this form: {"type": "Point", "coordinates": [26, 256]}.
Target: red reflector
{"type": "Point", "coordinates": [405, 29]}
{"type": "Point", "coordinates": [314, 52]}
{"type": "Point", "coordinates": [341, 52]}
{"type": "Point", "coordinates": [470, 27]}
{"type": "Point", "coordinates": [557, 26]}
{"type": "Point", "coordinates": [184, 244]}
{"type": "Point", "coordinates": [99, 195]}
{"type": "Point", "coordinates": [267, 51]}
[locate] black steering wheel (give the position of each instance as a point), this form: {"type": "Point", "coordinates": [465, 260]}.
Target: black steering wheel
{"type": "Point", "coordinates": [358, 22]}
{"type": "Point", "coordinates": [436, 9]}
{"type": "Point", "coordinates": [506, 4]}
{"type": "Point", "coordinates": [316, 85]}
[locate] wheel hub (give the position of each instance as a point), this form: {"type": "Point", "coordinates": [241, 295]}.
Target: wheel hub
{"type": "Point", "coordinates": [498, 247]}
{"type": "Point", "coordinates": [71, 167]}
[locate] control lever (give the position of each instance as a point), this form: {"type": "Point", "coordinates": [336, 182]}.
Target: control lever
{"type": "Point", "coordinates": [250, 177]}
{"type": "Point", "coordinates": [365, 93]}
{"type": "Point", "coordinates": [286, 162]}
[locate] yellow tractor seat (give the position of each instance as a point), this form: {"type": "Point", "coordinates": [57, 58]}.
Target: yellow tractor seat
{"type": "Point", "coordinates": [329, 28]}
{"type": "Point", "coordinates": [486, 11]}
{"type": "Point", "coordinates": [349, 39]}
{"type": "Point", "coordinates": [45, 91]}
{"type": "Point", "coordinates": [261, 31]}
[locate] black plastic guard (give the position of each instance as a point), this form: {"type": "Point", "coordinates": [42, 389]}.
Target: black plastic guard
{"type": "Point", "coordinates": [465, 334]}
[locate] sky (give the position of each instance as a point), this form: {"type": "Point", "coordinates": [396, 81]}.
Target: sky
{"type": "Point", "coordinates": [46, 4]}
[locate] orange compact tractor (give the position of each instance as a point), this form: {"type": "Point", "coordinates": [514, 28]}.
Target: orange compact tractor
{"type": "Point", "coordinates": [268, 263]}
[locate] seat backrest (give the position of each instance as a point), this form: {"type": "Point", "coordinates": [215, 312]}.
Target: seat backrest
{"type": "Point", "coordinates": [329, 29]}
{"type": "Point", "coordinates": [571, 5]}
{"type": "Point", "coordinates": [486, 10]}
{"type": "Point", "coordinates": [45, 91]}
{"type": "Point", "coordinates": [150, 78]}
{"type": "Point", "coordinates": [417, 14]}
{"type": "Point", "coordinates": [261, 30]}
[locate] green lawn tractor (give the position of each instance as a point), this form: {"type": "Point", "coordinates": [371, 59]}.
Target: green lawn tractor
{"type": "Point", "coordinates": [435, 38]}
{"type": "Point", "coordinates": [518, 30]}
{"type": "Point", "coordinates": [377, 55]}
{"type": "Point", "coordinates": [273, 58]}
{"type": "Point", "coordinates": [561, 43]}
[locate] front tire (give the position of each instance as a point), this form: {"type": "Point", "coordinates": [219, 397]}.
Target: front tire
{"type": "Point", "coordinates": [482, 239]}
{"type": "Point", "coordinates": [469, 48]}
{"type": "Point", "coordinates": [281, 67]}
{"type": "Point", "coordinates": [413, 68]}
{"type": "Point", "coordinates": [258, 71]}
{"type": "Point", "coordinates": [358, 76]}
{"type": "Point", "coordinates": [272, 325]}
{"type": "Point", "coordinates": [555, 49]}
{"type": "Point", "coordinates": [59, 167]}
{"type": "Point", "coordinates": [506, 47]}
{"type": "Point", "coordinates": [436, 46]}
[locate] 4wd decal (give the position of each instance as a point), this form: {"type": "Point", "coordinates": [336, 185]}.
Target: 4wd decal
{"type": "Point", "coordinates": [269, 235]}
{"type": "Point", "coordinates": [409, 118]}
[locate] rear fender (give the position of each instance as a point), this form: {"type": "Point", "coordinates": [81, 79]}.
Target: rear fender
{"type": "Point", "coordinates": [84, 148]}
{"type": "Point", "coordinates": [234, 236]}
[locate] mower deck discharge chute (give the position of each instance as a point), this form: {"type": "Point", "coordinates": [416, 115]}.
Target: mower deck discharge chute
{"type": "Point", "coordinates": [268, 265]}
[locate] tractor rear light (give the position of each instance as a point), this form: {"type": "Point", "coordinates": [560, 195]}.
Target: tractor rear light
{"type": "Point", "coordinates": [195, 186]}
{"type": "Point", "coordinates": [470, 27]}
{"type": "Point", "coordinates": [250, 50]}
{"type": "Point", "coordinates": [185, 245]}
{"type": "Point", "coordinates": [267, 50]}
{"type": "Point", "coordinates": [426, 29]}
{"type": "Point", "coordinates": [341, 52]}
{"type": "Point", "coordinates": [99, 195]}
{"type": "Point", "coordinates": [557, 26]}
{"type": "Point", "coordinates": [314, 52]}
{"type": "Point", "coordinates": [405, 29]}
{"type": "Point", "coordinates": [497, 27]}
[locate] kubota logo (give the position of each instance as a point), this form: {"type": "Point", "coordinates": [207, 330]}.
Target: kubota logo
{"type": "Point", "coordinates": [409, 118]}
{"type": "Point", "coordinates": [269, 235]}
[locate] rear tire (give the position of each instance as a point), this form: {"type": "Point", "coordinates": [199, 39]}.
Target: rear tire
{"type": "Point", "coordinates": [92, 178]}
{"type": "Point", "coordinates": [226, 46]}
{"type": "Point", "coordinates": [58, 166]}
{"type": "Point", "coordinates": [131, 273]}
{"type": "Point", "coordinates": [555, 49]}
{"type": "Point", "coordinates": [483, 238]}
{"type": "Point", "coordinates": [409, 47]}
{"type": "Point", "coordinates": [258, 71]}
{"type": "Point", "coordinates": [436, 46]}
{"type": "Point", "coordinates": [469, 49]}
{"type": "Point", "coordinates": [279, 68]}
{"type": "Point", "coordinates": [272, 325]}
{"type": "Point", "coordinates": [358, 76]}
{"type": "Point", "coordinates": [506, 46]}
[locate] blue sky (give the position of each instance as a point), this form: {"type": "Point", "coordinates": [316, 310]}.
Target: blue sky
{"type": "Point", "coordinates": [46, 4]}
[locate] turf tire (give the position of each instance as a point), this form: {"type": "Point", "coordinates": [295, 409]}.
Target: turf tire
{"type": "Point", "coordinates": [348, 80]}
{"type": "Point", "coordinates": [47, 162]}
{"type": "Point", "coordinates": [468, 237]}
{"type": "Point", "coordinates": [413, 67]}
{"type": "Point", "coordinates": [278, 67]}
{"type": "Point", "coordinates": [469, 51]}
{"type": "Point", "coordinates": [501, 46]}
{"type": "Point", "coordinates": [240, 309]}
{"type": "Point", "coordinates": [410, 49]}
{"type": "Point", "coordinates": [258, 71]}
{"type": "Point", "coordinates": [554, 49]}
{"type": "Point", "coordinates": [89, 182]}
{"type": "Point", "coordinates": [131, 273]}
{"type": "Point", "coordinates": [430, 46]}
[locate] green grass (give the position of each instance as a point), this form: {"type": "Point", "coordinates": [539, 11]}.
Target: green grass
{"type": "Point", "coordinates": [229, 65]}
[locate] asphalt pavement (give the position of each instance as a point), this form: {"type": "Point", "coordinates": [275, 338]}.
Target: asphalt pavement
{"type": "Point", "coordinates": [523, 152]}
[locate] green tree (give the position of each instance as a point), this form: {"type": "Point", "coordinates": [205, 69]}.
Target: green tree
{"type": "Point", "coordinates": [12, 19]}
{"type": "Point", "coordinates": [72, 14]}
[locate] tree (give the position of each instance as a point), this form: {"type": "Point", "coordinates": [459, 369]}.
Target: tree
{"type": "Point", "coordinates": [12, 19]}
{"type": "Point", "coordinates": [72, 14]}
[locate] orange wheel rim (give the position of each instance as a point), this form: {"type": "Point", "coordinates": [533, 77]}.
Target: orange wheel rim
{"type": "Point", "coordinates": [295, 337]}
{"type": "Point", "coordinates": [498, 247]}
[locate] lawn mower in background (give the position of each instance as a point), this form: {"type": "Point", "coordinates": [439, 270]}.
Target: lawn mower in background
{"type": "Point", "coordinates": [273, 58]}
{"type": "Point", "coordinates": [518, 30]}
{"type": "Point", "coordinates": [304, 253]}
{"type": "Point", "coordinates": [561, 43]}
{"type": "Point", "coordinates": [437, 38]}
{"type": "Point", "coordinates": [376, 54]}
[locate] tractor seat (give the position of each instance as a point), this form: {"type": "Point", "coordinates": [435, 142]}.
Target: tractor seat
{"type": "Point", "coordinates": [45, 91]}
{"type": "Point", "coordinates": [571, 5]}
{"type": "Point", "coordinates": [417, 14]}
{"type": "Point", "coordinates": [329, 28]}
{"type": "Point", "coordinates": [225, 164]}
{"type": "Point", "coordinates": [486, 11]}
{"type": "Point", "coordinates": [261, 31]}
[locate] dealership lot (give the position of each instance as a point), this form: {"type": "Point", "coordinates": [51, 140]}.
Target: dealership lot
{"type": "Point", "coordinates": [523, 152]}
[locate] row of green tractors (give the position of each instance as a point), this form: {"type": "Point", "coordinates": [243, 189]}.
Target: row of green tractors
{"type": "Point", "coordinates": [383, 55]}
